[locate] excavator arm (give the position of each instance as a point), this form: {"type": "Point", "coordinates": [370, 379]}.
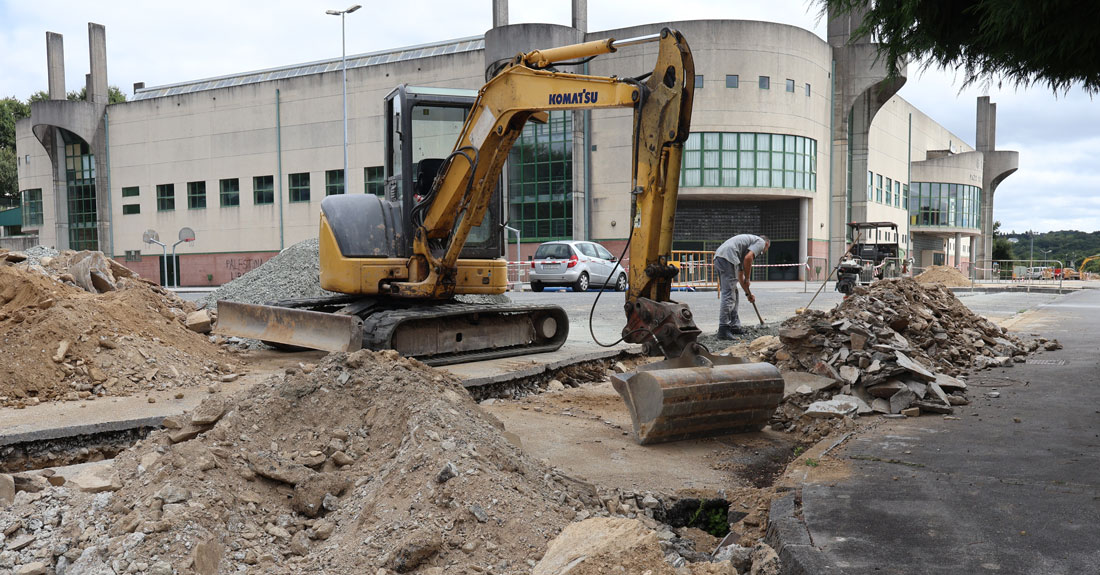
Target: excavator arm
{"type": "Point", "coordinates": [525, 89]}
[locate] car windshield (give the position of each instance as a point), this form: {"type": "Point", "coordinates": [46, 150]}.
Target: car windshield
{"type": "Point", "coordinates": [555, 251]}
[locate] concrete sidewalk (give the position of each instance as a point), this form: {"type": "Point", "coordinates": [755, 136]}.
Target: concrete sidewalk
{"type": "Point", "coordinates": [1008, 485]}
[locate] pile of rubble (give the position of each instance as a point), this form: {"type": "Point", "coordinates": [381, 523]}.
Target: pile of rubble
{"type": "Point", "coordinates": [78, 325]}
{"type": "Point", "coordinates": [897, 347]}
{"type": "Point", "coordinates": [946, 275]}
{"type": "Point", "coordinates": [365, 463]}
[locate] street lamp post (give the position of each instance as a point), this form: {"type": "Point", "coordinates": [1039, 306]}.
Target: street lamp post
{"type": "Point", "coordinates": [344, 67]}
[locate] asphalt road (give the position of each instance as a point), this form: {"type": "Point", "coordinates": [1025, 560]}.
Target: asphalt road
{"type": "Point", "coordinates": [1009, 486]}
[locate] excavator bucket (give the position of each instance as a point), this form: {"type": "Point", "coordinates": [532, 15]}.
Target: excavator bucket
{"type": "Point", "coordinates": [699, 395]}
{"type": "Point", "coordinates": [291, 327]}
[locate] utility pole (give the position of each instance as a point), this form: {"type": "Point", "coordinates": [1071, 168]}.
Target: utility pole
{"type": "Point", "coordinates": [344, 67]}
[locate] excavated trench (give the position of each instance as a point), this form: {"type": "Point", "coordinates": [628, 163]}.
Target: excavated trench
{"type": "Point", "coordinates": [34, 454]}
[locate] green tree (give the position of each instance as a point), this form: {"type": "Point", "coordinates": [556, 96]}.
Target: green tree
{"type": "Point", "coordinates": [11, 109]}
{"type": "Point", "coordinates": [1053, 42]}
{"type": "Point", "coordinates": [1002, 248]}
{"type": "Point", "coordinates": [114, 95]}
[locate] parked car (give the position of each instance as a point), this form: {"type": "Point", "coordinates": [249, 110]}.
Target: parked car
{"type": "Point", "coordinates": [575, 264]}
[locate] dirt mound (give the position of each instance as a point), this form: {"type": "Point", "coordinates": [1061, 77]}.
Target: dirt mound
{"type": "Point", "coordinates": [945, 275]}
{"type": "Point", "coordinates": [368, 461]}
{"type": "Point", "coordinates": [62, 342]}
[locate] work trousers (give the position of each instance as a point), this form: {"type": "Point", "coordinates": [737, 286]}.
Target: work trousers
{"type": "Point", "coordinates": [728, 294]}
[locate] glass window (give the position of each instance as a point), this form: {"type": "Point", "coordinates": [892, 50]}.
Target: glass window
{"type": "Point", "coordinates": [889, 191]}
{"type": "Point", "coordinates": [731, 80]}
{"type": "Point", "coordinates": [374, 180]}
{"type": "Point", "coordinates": [713, 159]}
{"type": "Point", "coordinates": [603, 253]}
{"type": "Point", "coordinates": [765, 82]}
{"type": "Point", "coordinates": [32, 208]}
{"type": "Point", "coordinates": [897, 194]}
{"type": "Point", "coordinates": [132, 192]}
{"type": "Point", "coordinates": [698, 81]}
{"type": "Point", "coordinates": [166, 197]}
{"type": "Point", "coordinates": [807, 89]}
{"type": "Point", "coordinates": [540, 177]}
{"type": "Point", "coordinates": [263, 190]}
{"type": "Point", "coordinates": [299, 187]}
{"type": "Point", "coordinates": [196, 195]}
{"type": "Point", "coordinates": [81, 193]}
{"type": "Point", "coordinates": [334, 182]}
{"type": "Point", "coordinates": [587, 249]}
{"type": "Point", "coordinates": [230, 192]}
{"type": "Point", "coordinates": [790, 85]}
{"type": "Point", "coordinates": [130, 209]}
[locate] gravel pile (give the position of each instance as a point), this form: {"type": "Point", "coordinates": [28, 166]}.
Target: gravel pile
{"type": "Point", "coordinates": [294, 273]}
{"type": "Point", "coordinates": [35, 254]}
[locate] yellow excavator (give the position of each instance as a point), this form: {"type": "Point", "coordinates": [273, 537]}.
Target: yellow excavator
{"type": "Point", "coordinates": [399, 261]}
{"type": "Point", "coordinates": [1076, 274]}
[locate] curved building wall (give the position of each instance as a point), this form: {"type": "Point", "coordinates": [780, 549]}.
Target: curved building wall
{"type": "Point", "coordinates": [721, 48]}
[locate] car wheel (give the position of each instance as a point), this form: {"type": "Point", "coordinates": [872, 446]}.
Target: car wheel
{"type": "Point", "coordinates": [620, 282]}
{"type": "Point", "coordinates": [536, 286]}
{"type": "Point", "coordinates": [581, 283]}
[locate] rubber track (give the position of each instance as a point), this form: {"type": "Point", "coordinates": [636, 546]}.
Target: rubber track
{"type": "Point", "coordinates": [380, 325]}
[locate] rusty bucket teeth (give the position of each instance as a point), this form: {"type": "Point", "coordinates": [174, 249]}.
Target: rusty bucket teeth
{"type": "Point", "coordinates": [699, 395]}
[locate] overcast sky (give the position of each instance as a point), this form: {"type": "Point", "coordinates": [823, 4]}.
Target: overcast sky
{"type": "Point", "coordinates": [1057, 186]}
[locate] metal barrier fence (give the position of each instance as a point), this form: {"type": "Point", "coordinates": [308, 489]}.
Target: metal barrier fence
{"type": "Point", "coordinates": [1018, 272]}
{"type": "Point", "coordinates": [696, 270]}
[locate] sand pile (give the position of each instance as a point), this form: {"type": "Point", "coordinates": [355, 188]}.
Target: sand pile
{"type": "Point", "coordinates": [62, 342]}
{"type": "Point", "coordinates": [945, 275]}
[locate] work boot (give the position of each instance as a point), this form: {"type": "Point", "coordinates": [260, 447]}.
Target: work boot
{"type": "Point", "coordinates": [728, 332]}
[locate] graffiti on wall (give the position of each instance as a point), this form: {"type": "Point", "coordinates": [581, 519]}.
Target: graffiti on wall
{"type": "Point", "coordinates": [239, 266]}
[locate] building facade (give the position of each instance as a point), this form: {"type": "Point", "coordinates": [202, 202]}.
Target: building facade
{"type": "Point", "coordinates": [792, 137]}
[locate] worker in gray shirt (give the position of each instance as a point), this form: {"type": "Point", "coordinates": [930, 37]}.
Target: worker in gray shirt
{"type": "Point", "coordinates": [733, 262]}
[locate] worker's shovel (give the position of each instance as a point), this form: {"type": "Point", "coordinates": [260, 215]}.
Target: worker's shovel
{"type": "Point", "coordinates": [761, 318]}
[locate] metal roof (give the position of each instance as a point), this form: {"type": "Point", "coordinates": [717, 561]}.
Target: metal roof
{"type": "Point", "coordinates": [469, 44]}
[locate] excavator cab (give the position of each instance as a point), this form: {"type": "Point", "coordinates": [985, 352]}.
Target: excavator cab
{"type": "Point", "coordinates": [422, 125]}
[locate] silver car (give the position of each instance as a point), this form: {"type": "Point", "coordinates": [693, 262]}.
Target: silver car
{"type": "Point", "coordinates": [579, 265]}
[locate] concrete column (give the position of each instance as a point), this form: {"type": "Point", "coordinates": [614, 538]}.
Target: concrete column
{"type": "Point", "coordinates": [803, 234]}
{"type": "Point", "coordinates": [580, 15]}
{"type": "Point", "coordinates": [973, 255]}
{"type": "Point", "coordinates": [60, 195]}
{"type": "Point", "coordinates": [958, 249]}
{"type": "Point", "coordinates": [97, 53]}
{"type": "Point", "coordinates": [580, 199]}
{"type": "Point", "coordinates": [55, 65]}
{"type": "Point", "coordinates": [500, 13]}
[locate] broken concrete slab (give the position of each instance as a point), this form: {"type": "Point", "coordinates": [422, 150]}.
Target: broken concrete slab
{"type": "Point", "coordinates": [838, 406]}
{"type": "Point", "coordinates": [199, 321]}
{"type": "Point", "coordinates": [901, 400]}
{"type": "Point", "coordinates": [950, 384]}
{"type": "Point", "coordinates": [914, 367]}
{"type": "Point", "coordinates": [96, 479]}
{"type": "Point", "coordinates": [886, 389]}
{"type": "Point", "coordinates": [792, 380]}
